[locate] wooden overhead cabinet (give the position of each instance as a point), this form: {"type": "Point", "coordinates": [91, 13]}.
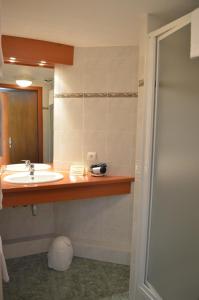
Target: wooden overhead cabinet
{"type": "Point", "coordinates": [33, 52]}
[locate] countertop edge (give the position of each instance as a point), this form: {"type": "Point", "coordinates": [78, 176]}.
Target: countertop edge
{"type": "Point", "coordinates": [67, 183]}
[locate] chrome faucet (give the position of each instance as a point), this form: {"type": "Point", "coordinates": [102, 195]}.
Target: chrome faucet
{"type": "Point", "coordinates": [32, 170]}
{"type": "Point", "coordinates": [27, 163]}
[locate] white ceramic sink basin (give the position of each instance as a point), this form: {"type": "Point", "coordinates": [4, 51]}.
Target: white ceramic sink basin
{"type": "Point", "coordinates": [39, 177]}
{"type": "Point", "coordinates": [24, 168]}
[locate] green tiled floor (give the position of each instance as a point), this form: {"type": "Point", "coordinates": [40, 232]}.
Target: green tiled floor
{"type": "Point", "coordinates": [86, 279]}
{"type": "Point", "coordinates": [123, 296]}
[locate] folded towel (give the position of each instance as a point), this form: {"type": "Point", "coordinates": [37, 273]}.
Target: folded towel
{"type": "Point", "coordinates": [3, 267]}
{"type": "Point", "coordinates": [194, 33]}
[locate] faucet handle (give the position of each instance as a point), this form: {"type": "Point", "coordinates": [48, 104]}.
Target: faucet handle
{"type": "Point", "coordinates": [32, 170]}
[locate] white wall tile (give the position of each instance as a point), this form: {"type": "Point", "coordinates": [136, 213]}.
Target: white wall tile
{"type": "Point", "coordinates": [68, 114]}
{"type": "Point", "coordinates": [122, 114]}
{"type": "Point", "coordinates": [115, 220]}
{"type": "Point", "coordinates": [68, 216]}
{"type": "Point", "coordinates": [18, 222]}
{"type": "Point", "coordinates": [95, 141]}
{"type": "Point", "coordinates": [69, 79]}
{"type": "Point", "coordinates": [68, 145]}
{"type": "Point", "coordinates": [80, 55]}
{"type": "Point", "coordinates": [95, 76]}
{"type": "Point", "coordinates": [61, 165]}
{"type": "Point", "coordinates": [120, 76]}
{"type": "Point", "coordinates": [100, 219]}
{"type": "Point", "coordinates": [72, 140]}
{"type": "Point", "coordinates": [121, 170]}
{"type": "Point", "coordinates": [96, 55]}
{"type": "Point", "coordinates": [95, 113]}
{"type": "Point", "coordinates": [108, 128]}
{"type": "Point", "coordinates": [120, 148]}
{"type": "Point", "coordinates": [58, 145]}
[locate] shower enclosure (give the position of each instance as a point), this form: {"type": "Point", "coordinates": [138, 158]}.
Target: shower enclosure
{"type": "Point", "coordinates": [166, 261]}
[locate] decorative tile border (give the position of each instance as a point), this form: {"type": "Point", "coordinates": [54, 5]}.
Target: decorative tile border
{"type": "Point", "coordinates": [98, 95]}
{"type": "Point", "coordinates": [141, 82]}
{"type": "Point", "coordinates": [70, 95]}
{"type": "Point", "coordinates": [122, 95]}
{"type": "Point", "coordinates": [95, 95]}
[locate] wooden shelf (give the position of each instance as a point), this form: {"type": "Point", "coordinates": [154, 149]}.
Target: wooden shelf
{"type": "Point", "coordinates": [69, 188]}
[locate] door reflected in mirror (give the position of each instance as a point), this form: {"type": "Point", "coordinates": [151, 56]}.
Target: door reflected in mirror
{"type": "Point", "coordinates": [26, 115]}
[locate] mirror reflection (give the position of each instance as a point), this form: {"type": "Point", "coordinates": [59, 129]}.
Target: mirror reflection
{"type": "Point", "coordinates": [26, 113]}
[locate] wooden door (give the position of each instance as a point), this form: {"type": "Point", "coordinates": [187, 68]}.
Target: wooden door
{"type": "Point", "coordinates": [4, 129]}
{"type": "Point", "coordinates": [23, 126]}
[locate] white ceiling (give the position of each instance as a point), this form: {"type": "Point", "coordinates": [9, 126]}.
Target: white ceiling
{"type": "Point", "coordinates": [86, 22]}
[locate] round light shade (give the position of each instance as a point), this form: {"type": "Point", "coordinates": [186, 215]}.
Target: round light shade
{"type": "Point", "coordinates": [23, 82]}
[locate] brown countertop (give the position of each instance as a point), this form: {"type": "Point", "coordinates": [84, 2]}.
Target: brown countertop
{"type": "Point", "coordinates": [68, 188]}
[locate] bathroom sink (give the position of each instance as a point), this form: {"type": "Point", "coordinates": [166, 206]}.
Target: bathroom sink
{"type": "Point", "coordinates": [38, 177]}
{"type": "Point", "coordinates": [24, 168]}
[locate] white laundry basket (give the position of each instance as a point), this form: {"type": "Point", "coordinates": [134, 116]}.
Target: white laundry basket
{"type": "Point", "coordinates": [60, 254]}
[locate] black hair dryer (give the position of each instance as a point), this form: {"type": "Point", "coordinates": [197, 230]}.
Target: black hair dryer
{"type": "Point", "coordinates": [98, 169]}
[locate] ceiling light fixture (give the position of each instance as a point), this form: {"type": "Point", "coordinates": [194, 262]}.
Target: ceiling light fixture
{"type": "Point", "coordinates": [12, 59]}
{"type": "Point", "coordinates": [42, 63]}
{"type": "Point", "coordinates": [23, 82]}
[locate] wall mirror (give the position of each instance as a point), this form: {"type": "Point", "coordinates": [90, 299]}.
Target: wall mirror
{"type": "Point", "coordinates": [26, 115]}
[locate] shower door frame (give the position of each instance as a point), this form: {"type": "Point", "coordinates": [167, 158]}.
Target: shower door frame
{"type": "Point", "coordinates": [140, 289]}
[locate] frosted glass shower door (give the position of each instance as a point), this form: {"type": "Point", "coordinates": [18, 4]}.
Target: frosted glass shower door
{"type": "Point", "coordinates": [173, 251]}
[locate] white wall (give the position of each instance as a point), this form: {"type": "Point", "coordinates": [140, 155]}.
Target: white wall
{"type": "Point", "coordinates": [24, 234]}
{"type": "Point", "coordinates": [100, 228]}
